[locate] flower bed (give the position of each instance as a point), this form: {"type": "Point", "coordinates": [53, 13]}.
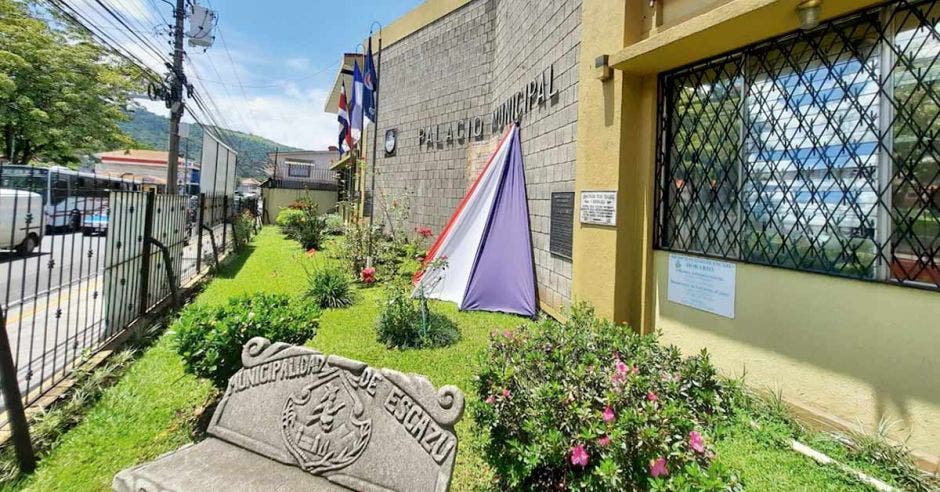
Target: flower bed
{"type": "Point", "coordinates": [590, 405]}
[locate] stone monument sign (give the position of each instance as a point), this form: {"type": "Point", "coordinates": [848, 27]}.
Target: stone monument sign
{"type": "Point", "coordinates": [293, 418]}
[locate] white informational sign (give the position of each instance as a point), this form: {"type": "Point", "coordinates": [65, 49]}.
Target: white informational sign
{"type": "Point", "coordinates": [599, 207]}
{"type": "Point", "coordinates": [702, 284]}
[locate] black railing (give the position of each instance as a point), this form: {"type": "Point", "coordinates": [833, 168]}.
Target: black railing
{"type": "Point", "coordinates": [319, 179]}
{"type": "Point", "coordinates": [84, 259]}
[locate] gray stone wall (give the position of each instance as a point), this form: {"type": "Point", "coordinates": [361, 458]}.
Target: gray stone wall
{"type": "Point", "coordinates": [463, 66]}
{"type": "Point", "coordinates": [532, 35]}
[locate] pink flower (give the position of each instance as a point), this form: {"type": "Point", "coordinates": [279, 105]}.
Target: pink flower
{"type": "Point", "coordinates": [658, 467]}
{"type": "Point", "coordinates": [696, 442]}
{"type": "Point", "coordinates": [579, 455]}
{"type": "Point", "coordinates": [424, 231]}
{"type": "Point", "coordinates": [608, 414]}
{"type": "Point", "coordinates": [505, 392]}
{"type": "Point", "coordinates": [368, 275]}
{"type": "Point", "coordinates": [490, 400]}
{"type": "Point", "coordinates": [620, 367]}
{"type": "Point", "coordinates": [507, 334]}
{"type": "Point", "coordinates": [603, 441]}
{"type": "Point", "coordinates": [651, 396]}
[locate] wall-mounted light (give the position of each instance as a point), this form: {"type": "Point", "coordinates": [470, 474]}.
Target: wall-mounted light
{"type": "Point", "coordinates": [602, 70]}
{"type": "Point", "coordinates": [809, 14]}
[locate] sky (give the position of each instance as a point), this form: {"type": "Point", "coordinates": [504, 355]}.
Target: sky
{"type": "Point", "coordinates": [273, 62]}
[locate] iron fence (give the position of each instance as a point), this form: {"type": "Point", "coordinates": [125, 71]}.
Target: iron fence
{"type": "Point", "coordinates": [82, 256]}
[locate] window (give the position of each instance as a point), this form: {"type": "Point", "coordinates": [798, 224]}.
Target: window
{"type": "Point", "coordinates": [816, 151]}
{"type": "Point", "coordinates": [298, 170]}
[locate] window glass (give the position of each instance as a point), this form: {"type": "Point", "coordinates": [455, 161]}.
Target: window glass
{"type": "Point", "coordinates": [60, 189]}
{"type": "Point", "coordinates": [702, 179]}
{"type": "Point", "coordinates": [915, 183]}
{"type": "Point", "coordinates": [298, 170]}
{"type": "Point", "coordinates": [816, 151]}
{"type": "Point", "coordinates": [812, 152]}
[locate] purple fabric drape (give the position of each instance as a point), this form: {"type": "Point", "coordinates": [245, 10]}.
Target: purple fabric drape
{"type": "Point", "coordinates": [503, 276]}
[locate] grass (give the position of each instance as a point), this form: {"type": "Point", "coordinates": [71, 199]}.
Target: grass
{"type": "Point", "coordinates": [351, 333]}
{"type": "Point", "coordinates": [153, 409]}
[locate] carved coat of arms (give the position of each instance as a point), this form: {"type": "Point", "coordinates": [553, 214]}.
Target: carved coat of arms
{"type": "Point", "coordinates": [323, 424]}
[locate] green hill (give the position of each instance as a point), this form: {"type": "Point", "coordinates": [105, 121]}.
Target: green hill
{"type": "Point", "coordinates": [151, 131]}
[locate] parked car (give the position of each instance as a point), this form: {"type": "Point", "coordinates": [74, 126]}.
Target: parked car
{"type": "Point", "coordinates": [96, 222]}
{"type": "Point", "coordinates": [21, 220]}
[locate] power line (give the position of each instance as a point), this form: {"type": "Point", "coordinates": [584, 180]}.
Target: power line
{"type": "Point", "coordinates": [276, 85]}
{"type": "Point", "coordinates": [105, 40]}
{"type": "Point", "coordinates": [146, 44]}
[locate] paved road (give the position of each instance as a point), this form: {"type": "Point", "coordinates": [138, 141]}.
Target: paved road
{"type": "Point", "coordinates": [55, 315]}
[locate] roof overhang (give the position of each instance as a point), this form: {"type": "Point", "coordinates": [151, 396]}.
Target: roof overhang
{"type": "Point", "coordinates": [730, 26]}
{"type": "Point", "coordinates": [342, 163]}
{"type": "Point", "coordinates": [344, 74]}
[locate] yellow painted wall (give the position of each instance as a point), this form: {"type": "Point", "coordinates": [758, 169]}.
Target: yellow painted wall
{"type": "Point", "coordinates": [600, 120]}
{"type": "Point", "coordinates": [276, 199]}
{"type": "Point", "coordinates": [846, 352]}
{"type": "Point", "coordinates": [863, 351]}
{"type": "Point", "coordinates": [723, 28]}
{"type": "Point", "coordinates": [418, 17]}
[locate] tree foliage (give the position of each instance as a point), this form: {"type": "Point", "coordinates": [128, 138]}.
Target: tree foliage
{"type": "Point", "coordinates": [60, 93]}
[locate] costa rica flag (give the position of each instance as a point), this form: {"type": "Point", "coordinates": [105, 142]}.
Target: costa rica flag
{"type": "Point", "coordinates": [343, 117]}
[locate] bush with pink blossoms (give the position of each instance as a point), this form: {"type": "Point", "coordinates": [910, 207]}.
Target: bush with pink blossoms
{"type": "Point", "coordinates": [590, 405]}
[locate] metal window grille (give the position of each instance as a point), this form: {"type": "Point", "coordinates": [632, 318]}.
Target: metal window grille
{"type": "Point", "coordinates": [816, 151]}
{"type": "Point", "coordinates": [298, 170]}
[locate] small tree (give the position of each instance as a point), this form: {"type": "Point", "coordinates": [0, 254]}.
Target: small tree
{"type": "Point", "coordinates": [60, 94]}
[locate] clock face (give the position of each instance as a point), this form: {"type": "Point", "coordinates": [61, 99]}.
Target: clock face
{"type": "Point", "coordinates": [391, 141]}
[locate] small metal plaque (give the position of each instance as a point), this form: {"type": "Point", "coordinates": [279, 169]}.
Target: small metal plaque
{"type": "Point", "coordinates": [599, 207]}
{"type": "Point", "coordinates": [562, 224]}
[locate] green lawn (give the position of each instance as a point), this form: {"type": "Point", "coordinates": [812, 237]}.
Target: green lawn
{"type": "Point", "coordinates": [152, 410]}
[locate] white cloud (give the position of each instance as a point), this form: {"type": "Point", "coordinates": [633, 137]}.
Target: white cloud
{"type": "Point", "coordinates": [299, 64]}
{"type": "Point", "coordinates": [294, 118]}
{"type": "Point", "coordinates": [281, 111]}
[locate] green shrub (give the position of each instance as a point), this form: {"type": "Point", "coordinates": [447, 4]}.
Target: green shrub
{"type": "Point", "coordinates": [330, 287]}
{"type": "Point", "coordinates": [210, 339]}
{"type": "Point", "coordinates": [407, 323]}
{"type": "Point", "coordinates": [334, 224]}
{"type": "Point", "coordinates": [302, 224]}
{"type": "Point", "coordinates": [353, 249]}
{"type": "Point", "coordinates": [287, 220]}
{"type": "Point", "coordinates": [590, 405]}
{"type": "Point", "coordinates": [309, 231]}
{"type": "Point", "coordinates": [244, 227]}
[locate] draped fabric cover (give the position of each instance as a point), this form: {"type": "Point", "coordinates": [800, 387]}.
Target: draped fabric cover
{"type": "Point", "coordinates": [487, 242]}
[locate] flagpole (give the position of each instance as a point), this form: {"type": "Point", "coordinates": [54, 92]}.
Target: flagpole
{"type": "Point", "coordinates": [375, 136]}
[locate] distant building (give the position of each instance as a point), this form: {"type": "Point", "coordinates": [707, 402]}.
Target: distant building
{"type": "Point", "coordinates": [248, 186]}
{"type": "Point", "coordinates": [301, 169]}
{"type": "Point", "coordinates": [296, 175]}
{"type": "Point", "coordinates": [147, 166]}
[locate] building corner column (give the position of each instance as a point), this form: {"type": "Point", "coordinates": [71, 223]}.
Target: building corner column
{"type": "Point", "coordinates": [610, 265]}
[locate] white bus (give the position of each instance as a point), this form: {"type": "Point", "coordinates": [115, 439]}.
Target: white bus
{"type": "Point", "coordinates": [67, 195]}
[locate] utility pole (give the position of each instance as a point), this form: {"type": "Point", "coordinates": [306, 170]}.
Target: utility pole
{"type": "Point", "coordinates": [177, 81]}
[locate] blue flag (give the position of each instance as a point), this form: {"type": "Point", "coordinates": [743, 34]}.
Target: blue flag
{"type": "Point", "coordinates": [356, 103]}
{"type": "Point", "coordinates": [371, 85]}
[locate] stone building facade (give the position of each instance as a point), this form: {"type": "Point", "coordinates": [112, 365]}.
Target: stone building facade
{"type": "Point", "coordinates": [447, 91]}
